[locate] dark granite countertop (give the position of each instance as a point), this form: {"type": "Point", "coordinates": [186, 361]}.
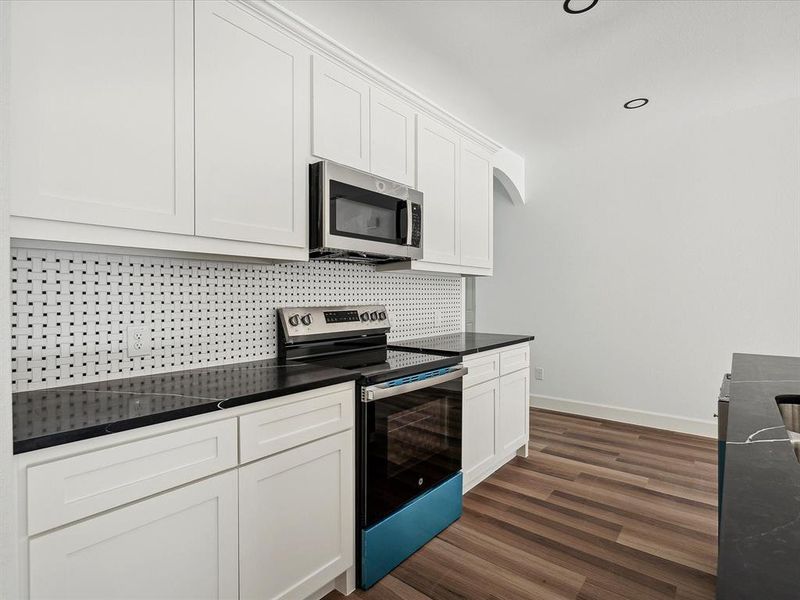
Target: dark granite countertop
{"type": "Point", "coordinates": [461, 344]}
{"type": "Point", "coordinates": [61, 415]}
{"type": "Point", "coordinates": [760, 521]}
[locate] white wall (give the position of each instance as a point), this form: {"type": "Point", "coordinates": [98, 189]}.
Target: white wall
{"type": "Point", "coordinates": [641, 263]}
{"type": "Point", "coordinates": [8, 489]}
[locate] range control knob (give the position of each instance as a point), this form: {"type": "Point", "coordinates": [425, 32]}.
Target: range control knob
{"type": "Point", "coordinates": [306, 319]}
{"type": "Point", "coordinates": [365, 316]}
{"type": "Point", "coordinates": [373, 316]}
{"type": "Point", "coordinates": [294, 320]}
{"type": "Point", "coordinates": [382, 316]}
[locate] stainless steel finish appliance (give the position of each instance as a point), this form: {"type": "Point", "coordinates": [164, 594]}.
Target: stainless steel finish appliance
{"type": "Point", "coordinates": [408, 428]}
{"type": "Point", "coordinates": [357, 217]}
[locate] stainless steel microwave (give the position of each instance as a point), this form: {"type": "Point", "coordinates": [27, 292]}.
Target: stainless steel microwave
{"type": "Point", "coordinates": [358, 217]}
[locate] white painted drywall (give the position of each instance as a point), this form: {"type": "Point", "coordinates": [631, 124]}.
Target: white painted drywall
{"type": "Point", "coordinates": [642, 261]}
{"type": "Point", "coordinates": [8, 485]}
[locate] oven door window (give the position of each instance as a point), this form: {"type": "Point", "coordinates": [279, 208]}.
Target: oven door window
{"type": "Point", "coordinates": [366, 215]}
{"type": "Point", "coordinates": [413, 442]}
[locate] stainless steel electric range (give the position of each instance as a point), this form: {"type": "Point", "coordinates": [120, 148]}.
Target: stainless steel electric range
{"type": "Point", "coordinates": [408, 429]}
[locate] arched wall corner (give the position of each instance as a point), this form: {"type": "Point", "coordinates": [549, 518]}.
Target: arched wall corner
{"type": "Point", "coordinates": [509, 170]}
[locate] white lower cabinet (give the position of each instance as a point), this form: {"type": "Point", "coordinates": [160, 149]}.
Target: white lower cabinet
{"type": "Point", "coordinates": [278, 527]}
{"type": "Point", "coordinates": [496, 413]}
{"type": "Point", "coordinates": [513, 416]}
{"type": "Point", "coordinates": [181, 544]}
{"type": "Point", "coordinates": [479, 432]}
{"type": "Point", "coordinates": [296, 519]}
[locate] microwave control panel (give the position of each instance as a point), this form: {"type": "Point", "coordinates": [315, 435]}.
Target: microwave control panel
{"type": "Point", "coordinates": [416, 225]}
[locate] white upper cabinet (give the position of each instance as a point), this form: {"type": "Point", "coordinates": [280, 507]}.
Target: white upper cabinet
{"type": "Point", "coordinates": [392, 145]}
{"type": "Point", "coordinates": [252, 128]}
{"type": "Point", "coordinates": [438, 180]}
{"type": "Point", "coordinates": [476, 205]}
{"type": "Point", "coordinates": [341, 115]}
{"type": "Point", "coordinates": [101, 113]}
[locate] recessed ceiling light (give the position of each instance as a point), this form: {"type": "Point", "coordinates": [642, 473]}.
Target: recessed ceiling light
{"type": "Point", "coordinates": [576, 11]}
{"type": "Point", "coordinates": [636, 103]}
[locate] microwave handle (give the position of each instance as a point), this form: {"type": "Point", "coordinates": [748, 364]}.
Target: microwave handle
{"type": "Point", "coordinates": [377, 392]}
{"type": "Point", "coordinates": [404, 222]}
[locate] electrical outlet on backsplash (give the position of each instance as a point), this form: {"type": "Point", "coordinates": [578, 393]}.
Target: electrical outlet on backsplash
{"type": "Point", "coordinates": [71, 310]}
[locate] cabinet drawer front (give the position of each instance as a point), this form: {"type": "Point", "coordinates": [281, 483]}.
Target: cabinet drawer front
{"type": "Point", "coordinates": [515, 359]}
{"type": "Point", "coordinates": [481, 368]}
{"type": "Point", "coordinates": [79, 486]}
{"type": "Point", "coordinates": [276, 429]}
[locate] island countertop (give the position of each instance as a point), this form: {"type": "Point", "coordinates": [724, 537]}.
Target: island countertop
{"type": "Point", "coordinates": [760, 520]}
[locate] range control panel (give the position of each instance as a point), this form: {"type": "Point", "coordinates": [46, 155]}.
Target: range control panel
{"type": "Point", "coordinates": [341, 316]}
{"type": "Point", "coordinates": [306, 322]}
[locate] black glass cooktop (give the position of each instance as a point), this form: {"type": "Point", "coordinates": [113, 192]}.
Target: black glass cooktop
{"type": "Point", "coordinates": [382, 364]}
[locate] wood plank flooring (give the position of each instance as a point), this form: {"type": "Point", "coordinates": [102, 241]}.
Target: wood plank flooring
{"type": "Point", "coordinates": [599, 511]}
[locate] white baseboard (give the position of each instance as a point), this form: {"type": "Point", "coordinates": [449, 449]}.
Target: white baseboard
{"type": "Point", "coordinates": [627, 415]}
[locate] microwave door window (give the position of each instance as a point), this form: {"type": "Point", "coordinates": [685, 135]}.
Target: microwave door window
{"type": "Point", "coordinates": [362, 214]}
{"type": "Point", "coordinates": [360, 220]}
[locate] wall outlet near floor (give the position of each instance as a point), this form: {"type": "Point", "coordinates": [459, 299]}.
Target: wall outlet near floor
{"type": "Point", "coordinates": [538, 373]}
{"type": "Point", "coordinates": [138, 338]}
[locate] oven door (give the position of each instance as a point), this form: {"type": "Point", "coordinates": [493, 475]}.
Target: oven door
{"type": "Point", "coordinates": [410, 440]}
{"type": "Point", "coordinates": [363, 213]}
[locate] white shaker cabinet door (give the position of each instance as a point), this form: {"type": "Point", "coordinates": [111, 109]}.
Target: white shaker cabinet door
{"type": "Point", "coordinates": [479, 429]}
{"type": "Point", "coordinates": [477, 207]}
{"type": "Point", "coordinates": [341, 115]}
{"type": "Point", "coordinates": [437, 179]}
{"type": "Point", "coordinates": [252, 128]}
{"type": "Point", "coordinates": [513, 416]}
{"type": "Point", "coordinates": [392, 133]}
{"type": "Point", "coordinates": [179, 545]}
{"type": "Point", "coordinates": [101, 113]}
{"type": "Point", "coordinates": [296, 511]}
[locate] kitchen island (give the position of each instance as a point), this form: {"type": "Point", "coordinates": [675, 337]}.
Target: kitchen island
{"type": "Point", "coordinates": [759, 549]}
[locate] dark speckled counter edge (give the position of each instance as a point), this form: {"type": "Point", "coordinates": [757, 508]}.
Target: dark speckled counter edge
{"type": "Point", "coordinates": [461, 352]}
{"type": "Point", "coordinates": [84, 433]}
{"type": "Point", "coordinates": [760, 517]}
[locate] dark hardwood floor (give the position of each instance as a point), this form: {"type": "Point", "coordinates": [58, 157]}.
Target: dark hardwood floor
{"type": "Point", "coordinates": [599, 511]}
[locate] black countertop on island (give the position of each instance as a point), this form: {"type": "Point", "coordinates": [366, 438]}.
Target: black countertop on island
{"type": "Point", "coordinates": [760, 520]}
{"type": "Point", "coordinates": [461, 344]}
{"type": "Point", "coordinates": [54, 416]}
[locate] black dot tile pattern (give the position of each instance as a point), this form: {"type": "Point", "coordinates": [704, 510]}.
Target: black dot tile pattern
{"type": "Point", "coordinates": [71, 310]}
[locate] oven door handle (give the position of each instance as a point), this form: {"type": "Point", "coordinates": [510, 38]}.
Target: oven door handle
{"type": "Point", "coordinates": [383, 390]}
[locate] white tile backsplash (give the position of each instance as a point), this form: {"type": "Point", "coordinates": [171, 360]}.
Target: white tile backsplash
{"type": "Point", "coordinates": [70, 310]}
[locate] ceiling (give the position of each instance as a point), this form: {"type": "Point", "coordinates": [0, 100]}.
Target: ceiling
{"type": "Point", "coordinates": [532, 76]}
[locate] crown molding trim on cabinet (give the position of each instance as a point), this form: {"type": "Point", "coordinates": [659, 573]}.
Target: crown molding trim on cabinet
{"type": "Point", "coordinates": [333, 50]}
